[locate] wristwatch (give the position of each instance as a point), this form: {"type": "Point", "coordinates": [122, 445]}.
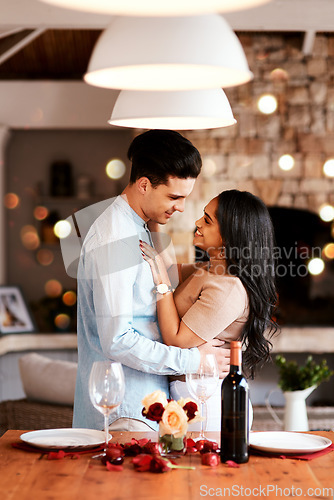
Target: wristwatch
{"type": "Point", "coordinates": [163, 288]}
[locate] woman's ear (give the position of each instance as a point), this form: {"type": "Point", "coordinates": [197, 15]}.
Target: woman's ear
{"type": "Point", "coordinates": [222, 252]}
{"type": "Point", "coordinates": [143, 184]}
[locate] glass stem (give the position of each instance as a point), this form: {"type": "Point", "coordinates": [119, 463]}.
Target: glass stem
{"type": "Point", "coordinates": [206, 416]}
{"type": "Point", "coordinates": [201, 434]}
{"type": "Point", "coordinates": [106, 430]}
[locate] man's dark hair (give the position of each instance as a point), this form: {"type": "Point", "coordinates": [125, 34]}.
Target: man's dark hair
{"type": "Point", "coordinates": [159, 154]}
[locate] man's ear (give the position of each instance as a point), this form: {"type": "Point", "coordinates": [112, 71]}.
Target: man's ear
{"type": "Point", "coordinates": [143, 185]}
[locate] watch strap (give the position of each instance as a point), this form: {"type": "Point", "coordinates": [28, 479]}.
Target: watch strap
{"type": "Point", "coordinates": [163, 288]}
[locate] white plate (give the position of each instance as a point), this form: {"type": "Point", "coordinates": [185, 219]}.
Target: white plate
{"type": "Point", "coordinates": [288, 442]}
{"type": "Point", "coordinates": [64, 438]}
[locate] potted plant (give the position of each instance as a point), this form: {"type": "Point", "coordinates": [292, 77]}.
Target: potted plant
{"type": "Point", "coordinates": [293, 377]}
{"type": "Point", "coordinates": [297, 382]}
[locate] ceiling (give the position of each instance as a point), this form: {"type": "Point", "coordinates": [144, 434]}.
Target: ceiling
{"type": "Point", "coordinates": [60, 54]}
{"type": "Point", "coordinates": [295, 15]}
{"type": "Point", "coordinates": [42, 43]}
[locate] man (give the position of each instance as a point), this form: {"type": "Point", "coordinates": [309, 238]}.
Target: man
{"type": "Point", "coordinates": [117, 317]}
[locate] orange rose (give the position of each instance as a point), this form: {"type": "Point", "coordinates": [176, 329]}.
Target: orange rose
{"type": "Point", "coordinates": [174, 420]}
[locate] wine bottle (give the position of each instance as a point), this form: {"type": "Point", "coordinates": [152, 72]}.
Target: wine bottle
{"type": "Point", "coordinates": [234, 416]}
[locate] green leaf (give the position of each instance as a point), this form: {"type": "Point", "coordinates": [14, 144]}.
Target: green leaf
{"type": "Point", "coordinates": [296, 378]}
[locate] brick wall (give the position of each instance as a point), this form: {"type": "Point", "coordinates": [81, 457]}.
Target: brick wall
{"type": "Point", "coordinates": [245, 156]}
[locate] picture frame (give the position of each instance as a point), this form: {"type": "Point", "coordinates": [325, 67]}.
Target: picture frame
{"type": "Point", "coordinates": [15, 316]}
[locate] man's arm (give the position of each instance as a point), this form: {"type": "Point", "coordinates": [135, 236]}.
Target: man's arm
{"type": "Point", "coordinates": [136, 351]}
{"type": "Point", "coordinates": [113, 305]}
{"type": "Point", "coordinates": [112, 294]}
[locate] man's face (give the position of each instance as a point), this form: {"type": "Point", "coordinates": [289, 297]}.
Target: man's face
{"type": "Point", "coordinates": [161, 202]}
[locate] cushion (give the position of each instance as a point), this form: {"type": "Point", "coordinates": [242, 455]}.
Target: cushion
{"type": "Point", "coordinates": [46, 379]}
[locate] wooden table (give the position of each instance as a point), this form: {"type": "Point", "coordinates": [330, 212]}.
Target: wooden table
{"type": "Point", "coordinates": [26, 476]}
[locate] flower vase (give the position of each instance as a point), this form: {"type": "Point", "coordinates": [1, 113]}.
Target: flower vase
{"type": "Point", "coordinates": [295, 415]}
{"type": "Point", "coordinates": [170, 444]}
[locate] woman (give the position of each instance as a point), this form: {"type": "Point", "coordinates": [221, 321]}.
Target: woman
{"type": "Point", "coordinates": [230, 297]}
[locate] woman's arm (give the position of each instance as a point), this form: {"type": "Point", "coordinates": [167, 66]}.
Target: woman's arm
{"type": "Point", "coordinates": [173, 330]}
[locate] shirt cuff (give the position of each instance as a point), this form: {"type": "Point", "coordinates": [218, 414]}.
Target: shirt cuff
{"type": "Point", "coordinates": [194, 360]}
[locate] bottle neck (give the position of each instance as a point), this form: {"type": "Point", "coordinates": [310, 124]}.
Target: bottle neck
{"type": "Point", "coordinates": [235, 368]}
{"type": "Point", "coordinates": [236, 357]}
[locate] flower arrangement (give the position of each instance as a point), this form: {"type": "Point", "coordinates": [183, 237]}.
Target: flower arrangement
{"type": "Point", "coordinates": [173, 418]}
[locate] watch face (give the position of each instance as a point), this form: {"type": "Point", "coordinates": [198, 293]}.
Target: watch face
{"type": "Point", "coordinates": [162, 288]}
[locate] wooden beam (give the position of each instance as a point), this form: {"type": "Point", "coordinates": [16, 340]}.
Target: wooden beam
{"type": "Point", "coordinates": [10, 31]}
{"type": "Point", "coordinates": [22, 43]}
{"type": "Point", "coordinates": [308, 42]}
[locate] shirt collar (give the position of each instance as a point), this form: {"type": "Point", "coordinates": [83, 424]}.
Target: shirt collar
{"type": "Point", "coordinates": [125, 205]}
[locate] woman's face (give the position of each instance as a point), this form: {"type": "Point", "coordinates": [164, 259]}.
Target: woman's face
{"type": "Point", "coordinates": [207, 236]}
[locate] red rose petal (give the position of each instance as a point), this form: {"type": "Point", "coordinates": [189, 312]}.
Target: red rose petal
{"type": "Point", "coordinates": [209, 446]}
{"type": "Point", "coordinates": [159, 465]}
{"type": "Point", "coordinates": [190, 443]}
{"type": "Point", "coordinates": [133, 449]}
{"type": "Point", "coordinates": [115, 446]}
{"type": "Point", "coordinates": [115, 468]}
{"type": "Point", "coordinates": [230, 463]}
{"type": "Point", "coordinates": [200, 444]}
{"type": "Point", "coordinates": [56, 455]}
{"type": "Point", "coordinates": [151, 448]}
{"type": "Point", "coordinates": [211, 459]}
{"type": "Point", "coordinates": [142, 462]}
{"type": "Point", "coordinates": [113, 453]}
{"type": "Point", "coordinates": [143, 442]}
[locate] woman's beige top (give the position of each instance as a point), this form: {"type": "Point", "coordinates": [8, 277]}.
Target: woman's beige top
{"type": "Point", "coordinates": [212, 304]}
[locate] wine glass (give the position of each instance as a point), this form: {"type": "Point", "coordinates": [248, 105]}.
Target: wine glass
{"type": "Point", "coordinates": [203, 384]}
{"type": "Point", "coordinates": [106, 390]}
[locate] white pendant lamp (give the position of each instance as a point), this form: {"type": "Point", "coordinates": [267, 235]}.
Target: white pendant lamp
{"type": "Point", "coordinates": [168, 53]}
{"type": "Point", "coordinates": [156, 7]}
{"type": "Point", "coordinates": [173, 110]}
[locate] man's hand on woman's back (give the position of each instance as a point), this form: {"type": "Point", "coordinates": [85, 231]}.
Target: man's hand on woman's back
{"type": "Point", "coordinates": [215, 346]}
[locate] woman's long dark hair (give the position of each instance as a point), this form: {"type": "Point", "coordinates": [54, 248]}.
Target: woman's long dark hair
{"type": "Point", "coordinates": [248, 237]}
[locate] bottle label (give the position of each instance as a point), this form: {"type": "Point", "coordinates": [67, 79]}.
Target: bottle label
{"type": "Point", "coordinates": [235, 438]}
